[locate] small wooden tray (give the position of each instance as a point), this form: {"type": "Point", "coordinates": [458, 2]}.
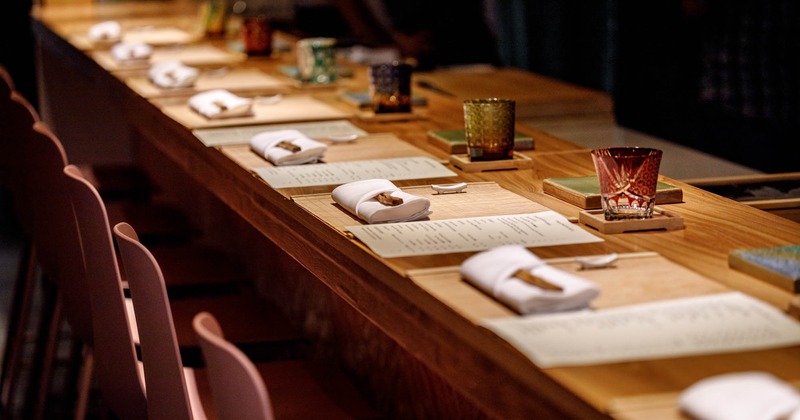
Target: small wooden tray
{"type": "Point", "coordinates": [519, 161]}
{"type": "Point", "coordinates": [391, 116]}
{"type": "Point", "coordinates": [661, 220]}
{"type": "Point", "coordinates": [584, 191]}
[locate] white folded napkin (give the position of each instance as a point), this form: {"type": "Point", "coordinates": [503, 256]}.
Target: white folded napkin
{"type": "Point", "coordinates": [493, 271]}
{"type": "Point", "coordinates": [359, 198]}
{"type": "Point", "coordinates": [172, 74]}
{"type": "Point", "coordinates": [266, 144]}
{"type": "Point", "coordinates": [127, 52]}
{"type": "Point", "coordinates": [740, 396]}
{"type": "Point", "coordinates": [219, 103]}
{"type": "Point", "coordinates": [108, 32]}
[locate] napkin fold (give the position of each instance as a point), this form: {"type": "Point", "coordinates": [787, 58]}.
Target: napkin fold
{"type": "Point", "coordinates": [128, 52]}
{"type": "Point", "coordinates": [266, 144]}
{"type": "Point", "coordinates": [492, 271]}
{"type": "Point", "coordinates": [171, 74]}
{"type": "Point", "coordinates": [109, 31]}
{"type": "Point", "coordinates": [740, 396]}
{"type": "Point", "coordinates": [219, 103]}
{"type": "Point", "coordinates": [359, 198]}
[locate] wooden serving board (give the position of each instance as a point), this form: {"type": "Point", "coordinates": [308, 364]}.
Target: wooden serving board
{"type": "Point", "coordinates": [191, 55]}
{"type": "Point", "coordinates": [661, 219]}
{"type": "Point", "coordinates": [478, 199]}
{"type": "Point", "coordinates": [236, 80]}
{"type": "Point", "coordinates": [634, 278]}
{"type": "Point", "coordinates": [373, 146]}
{"type": "Point", "coordinates": [519, 161]}
{"type": "Point", "coordinates": [291, 108]}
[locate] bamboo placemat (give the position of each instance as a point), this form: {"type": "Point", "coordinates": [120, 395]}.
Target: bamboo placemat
{"type": "Point", "coordinates": [634, 278]}
{"type": "Point", "coordinates": [373, 146]}
{"type": "Point", "coordinates": [236, 80]}
{"type": "Point", "coordinates": [291, 108]}
{"type": "Point", "coordinates": [190, 55]}
{"type": "Point", "coordinates": [155, 36]}
{"type": "Point", "coordinates": [478, 199]}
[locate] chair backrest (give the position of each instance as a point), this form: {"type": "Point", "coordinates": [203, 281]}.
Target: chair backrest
{"type": "Point", "coordinates": [238, 389]}
{"type": "Point", "coordinates": [17, 117]}
{"type": "Point", "coordinates": [6, 82]}
{"type": "Point", "coordinates": [116, 363]}
{"type": "Point", "coordinates": [54, 231]}
{"type": "Point", "coordinates": [167, 392]}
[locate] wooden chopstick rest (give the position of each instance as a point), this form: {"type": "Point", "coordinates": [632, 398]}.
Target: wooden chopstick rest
{"type": "Point", "coordinates": [288, 146]}
{"type": "Point", "coordinates": [386, 199]}
{"type": "Point", "coordinates": [529, 278]}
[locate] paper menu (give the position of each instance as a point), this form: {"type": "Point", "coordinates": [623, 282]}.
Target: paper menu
{"type": "Point", "coordinates": [344, 172]}
{"type": "Point", "coordinates": [718, 323]}
{"type": "Point", "coordinates": [432, 237]}
{"type": "Point", "coordinates": [242, 134]}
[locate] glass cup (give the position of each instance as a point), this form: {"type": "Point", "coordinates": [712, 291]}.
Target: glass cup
{"type": "Point", "coordinates": [316, 60]}
{"type": "Point", "coordinates": [489, 125]}
{"type": "Point", "coordinates": [628, 178]}
{"type": "Point", "coordinates": [390, 87]}
{"type": "Point", "coordinates": [256, 34]}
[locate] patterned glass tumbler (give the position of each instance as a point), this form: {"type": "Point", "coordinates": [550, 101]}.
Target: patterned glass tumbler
{"type": "Point", "coordinates": [390, 87]}
{"type": "Point", "coordinates": [628, 178]}
{"type": "Point", "coordinates": [316, 60]}
{"type": "Point", "coordinates": [489, 126]}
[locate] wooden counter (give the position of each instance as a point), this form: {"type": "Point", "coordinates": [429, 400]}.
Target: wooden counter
{"type": "Point", "coordinates": [417, 354]}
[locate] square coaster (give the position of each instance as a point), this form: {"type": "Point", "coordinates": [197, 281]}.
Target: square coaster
{"type": "Point", "coordinates": [519, 161]}
{"type": "Point", "coordinates": [661, 220]}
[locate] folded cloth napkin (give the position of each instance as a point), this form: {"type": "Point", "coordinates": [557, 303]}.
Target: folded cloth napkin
{"type": "Point", "coordinates": [493, 271]}
{"type": "Point", "coordinates": [359, 198]}
{"type": "Point", "coordinates": [172, 74]}
{"type": "Point", "coordinates": [108, 31]}
{"type": "Point", "coordinates": [131, 52]}
{"type": "Point", "coordinates": [219, 103]}
{"type": "Point", "coordinates": [307, 150]}
{"type": "Point", "coordinates": [740, 396]}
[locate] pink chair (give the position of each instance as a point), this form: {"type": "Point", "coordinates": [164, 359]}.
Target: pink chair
{"type": "Point", "coordinates": [114, 329]}
{"type": "Point", "coordinates": [301, 395]}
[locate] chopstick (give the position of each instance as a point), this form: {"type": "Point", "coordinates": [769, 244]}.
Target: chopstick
{"type": "Point", "coordinates": [529, 278]}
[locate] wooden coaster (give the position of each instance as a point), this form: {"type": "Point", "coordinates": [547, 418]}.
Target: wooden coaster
{"type": "Point", "coordinates": [661, 220]}
{"type": "Point", "coordinates": [519, 161]}
{"type": "Point", "coordinates": [391, 116]}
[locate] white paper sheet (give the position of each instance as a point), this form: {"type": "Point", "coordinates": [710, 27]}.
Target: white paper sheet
{"type": "Point", "coordinates": [344, 172]}
{"type": "Point", "coordinates": [545, 228]}
{"type": "Point", "coordinates": [318, 130]}
{"type": "Point", "coordinates": [720, 323]}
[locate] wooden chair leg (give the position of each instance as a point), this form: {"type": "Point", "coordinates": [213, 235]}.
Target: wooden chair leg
{"type": "Point", "coordinates": [44, 353]}
{"type": "Point", "coordinates": [84, 383]}
{"type": "Point", "coordinates": [18, 319]}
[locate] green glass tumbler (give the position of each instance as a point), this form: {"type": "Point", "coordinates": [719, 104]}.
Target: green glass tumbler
{"type": "Point", "coordinates": [489, 126]}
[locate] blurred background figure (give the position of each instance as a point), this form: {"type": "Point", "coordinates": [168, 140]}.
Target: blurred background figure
{"type": "Point", "coordinates": [428, 34]}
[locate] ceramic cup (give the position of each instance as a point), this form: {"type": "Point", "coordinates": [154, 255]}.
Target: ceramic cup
{"type": "Point", "coordinates": [316, 60]}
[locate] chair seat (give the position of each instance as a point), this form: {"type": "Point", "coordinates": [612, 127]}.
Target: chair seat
{"type": "Point", "coordinates": [302, 389]}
